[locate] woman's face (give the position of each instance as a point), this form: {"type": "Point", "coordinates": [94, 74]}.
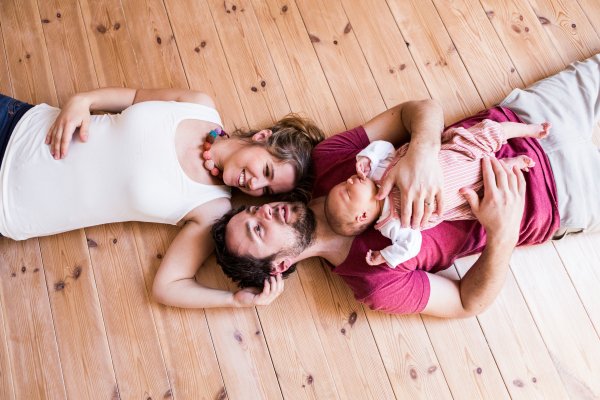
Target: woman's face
{"type": "Point", "coordinates": [255, 171]}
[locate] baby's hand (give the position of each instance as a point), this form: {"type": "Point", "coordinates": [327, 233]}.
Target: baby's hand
{"type": "Point", "coordinates": [375, 258]}
{"type": "Point", "coordinates": [363, 167]}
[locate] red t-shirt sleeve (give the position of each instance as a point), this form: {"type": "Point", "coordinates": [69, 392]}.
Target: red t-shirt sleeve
{"type": "Point", "coordinates": [404, 294]}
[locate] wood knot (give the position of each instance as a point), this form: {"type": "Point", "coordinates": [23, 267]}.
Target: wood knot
{"type": "Point", "coordinates": [158, 40]}
{"type": "Point", "coordinates": [28, 56]}
{"type": "Point", "coordinates": [167, 394]}
{"type": "Point", "coordinates": [159, 256]}
{"type": "Point", "coordinates": [490, 14]}
{"type": "Point", "coordinates": [36, 270]}
{"type": "Point", "coordinates": [573, 26]}
{"type": "Point", "coordinates": [518, 383]}
{"type": "Point", "coordinates": [222, 395]}
{"type": "Point", "coordinates": [544, 21]}
{"type": "Point", "coordinates": [58, 15]}
{"type": "Point", "coordinates": [413, 373]}
{"type": "Point", "coordinates": [520, 18]}
{"type": "Point", "coordinates": [233, 7]}
{"type": "Point", "coordinates": [313, 38]}
{"type": "Point", "coordinates": [479, 370]}
{"type": "Point", "coordinates": [228, 11]}
{"type": "Point", "coordinates": [13, 274]}
{"type": "Point", "coordinates": [407, 44]}
{"type": "Point", "coordinates": [257, 332]}
{"type": "Point", "coordinates": [391, 70]}
{"type": "Point", "coordinates": [197, 50]}
{"type": "Point", "coordinates": [310, 380]}
{"type": "Point", "coordinates": [149, 398]}
{"type": "Point", "coordinates": [238, 336]}
{"type": "Point", "coordinates": [23, 270]}
{"type": "Point", "coordinates": [526, 29]}
{"type": "Point", "coordinates": [516, 28]}
{"type": "Point", "coordinates": [58, 286]}
{"type": "Point", "coordinates": [512, 70]}
{"type": "Point", "coordinates": [101, 29]}
{"type": "Point", "coordinates": [431, 369]}
{"type": "Point", "coordinates": [77, 272]}
{"type": "Point", "coordinates": [352, 318]}
{"type": "Point", "coordinates": [117, 26]}
{"type": "Point", "coordinates": [46, 21]}
{"type": "Point", "coordinates": [534, 379]}
{"type": "Point", "coordinates": [402, 66]}
{"type": "Point", "coordinates": [203, 44]}
{"type": "Point", "coordinates": [348, 28]}
{"type": "Point", "coordinates": [114, 241]}
{"type": "Point", "coordinates": [335, 42]}
{"type": "Point", "coordinates": [254, 89]}
{"type": "Point", "coordinates": [91, 243]}
{"type": "Point", "coordinates": [343, 331]}
{"type": "Point", "coordinates": [284, 8]}
{"type": "Point", "coordinates": [263, 84]}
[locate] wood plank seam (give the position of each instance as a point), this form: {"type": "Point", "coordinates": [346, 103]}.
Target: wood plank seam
{"type": "Point", "coordinates": [87, 40]}
{"type": "Point", "coordinates": [588, 17]}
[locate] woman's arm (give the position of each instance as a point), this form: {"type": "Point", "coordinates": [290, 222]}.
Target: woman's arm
{"type": "Point", "coordinates": [76, 113]}
{"type": "Point", "coordinates": [418, 174]}
{"type": "Point", "coordinates": [174, 283]}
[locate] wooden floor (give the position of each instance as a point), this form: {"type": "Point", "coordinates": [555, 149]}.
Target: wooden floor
{"type": "Point", "coordinates": [78, 321]}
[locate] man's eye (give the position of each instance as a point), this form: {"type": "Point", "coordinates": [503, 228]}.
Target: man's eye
{"type": "Point", "coordinates": [257, 230]}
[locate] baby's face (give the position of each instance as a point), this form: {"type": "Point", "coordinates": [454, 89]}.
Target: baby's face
{"type": "Point", "coordinates": [354, 195]}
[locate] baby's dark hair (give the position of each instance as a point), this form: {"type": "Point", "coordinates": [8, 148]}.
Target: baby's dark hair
{"type": "Point", "coordinates": [340, 223]}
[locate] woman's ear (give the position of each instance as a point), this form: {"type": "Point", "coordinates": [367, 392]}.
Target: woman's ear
{"type": "Point", "coordinates": [362, 217]}
{"type": "Point", "coordinates": [281, 266]}
{"type": "Point", "coordinates": [261, 136]}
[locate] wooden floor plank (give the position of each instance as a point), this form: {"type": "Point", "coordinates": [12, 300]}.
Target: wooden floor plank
{"type": "Point", "coordinates": [524, 38]}
{"type": "Point", "coordinates": [480, 48]}
{"type": "Point", "coordinates": [517, 346]}
{"type": "Point", "coordinates": [568, 27]}
{"type": "Point", "coordinates": [580, 254]}
{"type": "Point", "coordinates": [436, 58]}
{"type": "Point", "coordinates": [574, 346]}
{"type": "Point", "coordinates": [35, 362]}
{"type": "Point", "coordinates": [251, 66]}
{"type": "Point", "coordinates": [464, 355]}
{"type": "Point", "coordinates": [26, 52]}
{"type": "Point", "coordinates": [68, 48]}
{"type": "Point", "coordinates": [5, 87]}
{"type": "Point", "coordinates": [82, 342]}
{"type": "Point", "coordinates": [391, 64]}
{"type": "Point", "coordinates": [591, 8]}
{"type": "Point", "coordinates": [298, 68]}
{"type": "Point", "coordinates": [342, 60]}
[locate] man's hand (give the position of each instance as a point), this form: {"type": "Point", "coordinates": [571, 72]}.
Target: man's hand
{"type": "Point", "coordinates": [419, 177]}
{"type": "Point", "coordinates": [253, 296]}
{"type": "Point", "coordinates": [501, 209]}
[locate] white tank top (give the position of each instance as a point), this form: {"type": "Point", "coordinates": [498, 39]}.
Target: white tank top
{"type": "Point", "coordinates": [127, 171]}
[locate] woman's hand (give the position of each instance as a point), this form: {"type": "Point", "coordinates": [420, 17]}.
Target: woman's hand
{"type": "Point", "coordinates": [75, 114]}
{"type": "Point", "coordinates": [419, 177]}
{"type": "Point", "coordinates": [253, 296]}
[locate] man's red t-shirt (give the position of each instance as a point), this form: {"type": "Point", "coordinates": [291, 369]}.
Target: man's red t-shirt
{"type": "Point", "coordinates": [405, 289]}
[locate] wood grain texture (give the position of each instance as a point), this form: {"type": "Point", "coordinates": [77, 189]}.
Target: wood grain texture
{"type": "Point", "coordinates": [390, 62]}
{"type": "Point", "coordinates": [68, 48]}
{"type": "Point", "coordinates": [464, 355]}
{"type": "Point", "coordinates": [350, 79]}
{"type": "Point", "coordinates": [35, 363]}
{"type": "Point", "coordinates": [128, 319]}
{"type": "Point", "coordinates": [110, 43]}
{"type": "Point", "coordinates": [347, 341]}
{"type": "Point", "coordinates": [591, 8]}
{"type": "Point", "coordinates": [524, 38]}
{"type": "Point", "coordinates": [203, 58]}
{"type": "Point", "coordinates": [580, 254]}
{"type": "Point", "coordinates": [408, 356]}
{"type": "Point", "coordinates": [185, 339]}
{"type": "Point", "coordinates": [154, 44]}
{"type": "Point", "coordinates": [302, 78]}
{"type": "Point", "coordinates": [515, 342]}
{"type": "Point", "coordinates": [78, 323]}
{"type": "Point", "coordinates": [5, 87]}
{"type": "Point", "coordinates": [484, 56]}
{"type": "Point", "coordinates": [574, 346]}
{"type": "Point", "coordinates": [26, 52]}
{"type": "Point", "coordinates": [251, 66]}
{"type": "Point", "coordinates": [568, 27]}
{"type": "Point", "coordinates": [436, 58]}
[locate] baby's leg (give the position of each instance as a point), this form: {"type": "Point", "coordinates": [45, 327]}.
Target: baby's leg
{"type": "Point", "coordinates": [515, 129]}
{"type": "Point", "coordinates": [522, 162]}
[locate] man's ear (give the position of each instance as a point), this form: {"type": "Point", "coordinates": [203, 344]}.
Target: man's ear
{"type": "Point", "coordinates": [261, 136]}
{"type": "Point", "coordinates": [281, 266]}
{"type": "Point", "coordinates": [362, 217]}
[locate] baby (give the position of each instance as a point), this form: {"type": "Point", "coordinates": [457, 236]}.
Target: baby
{"type": "Point", "coordinates": [351, 207]}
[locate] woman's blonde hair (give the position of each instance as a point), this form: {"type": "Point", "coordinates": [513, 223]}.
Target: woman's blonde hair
{"type": "Point", "coordinates": [292, 141]}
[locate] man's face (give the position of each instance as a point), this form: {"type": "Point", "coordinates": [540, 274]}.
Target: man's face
{"type": "Point", "coordinates": [285, 229]}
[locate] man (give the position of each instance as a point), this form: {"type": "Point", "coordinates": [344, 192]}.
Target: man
{"type": "Point", "coordinates": [560, 198]}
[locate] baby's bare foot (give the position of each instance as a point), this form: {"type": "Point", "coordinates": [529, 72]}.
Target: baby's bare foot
{"type": "Point", "coordinates": [539, 131]}
{"type": "Point", "coordinates": [522, 162]}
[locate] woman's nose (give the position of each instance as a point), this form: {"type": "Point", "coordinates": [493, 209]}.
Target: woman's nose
{"type": "Point", "coordinates": [255, 183]}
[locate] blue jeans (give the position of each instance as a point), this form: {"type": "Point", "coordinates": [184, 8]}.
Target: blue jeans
{"type": "Point", "coordinates": [11, 111]}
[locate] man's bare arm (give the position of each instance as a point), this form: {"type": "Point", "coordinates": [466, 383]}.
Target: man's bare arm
{"type": "Point", "coordinates": [500, 212]}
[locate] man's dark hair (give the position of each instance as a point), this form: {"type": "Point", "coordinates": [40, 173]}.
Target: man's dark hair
{"type": "Point", "coordinates": [245, 270]}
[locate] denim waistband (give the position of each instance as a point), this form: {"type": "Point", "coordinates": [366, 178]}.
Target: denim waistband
{"type": "Point", "coordinates": [11, 111]}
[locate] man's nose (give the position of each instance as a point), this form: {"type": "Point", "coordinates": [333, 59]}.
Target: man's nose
{"type": "Point", "coordinates": [266, 212]}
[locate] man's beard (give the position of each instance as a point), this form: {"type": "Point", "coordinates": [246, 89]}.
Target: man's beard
{"type": "Point", "coordinates": [304, 230]}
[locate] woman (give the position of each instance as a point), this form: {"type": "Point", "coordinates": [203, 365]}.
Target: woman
{"type": "Point", "coordinates": [159, 160]}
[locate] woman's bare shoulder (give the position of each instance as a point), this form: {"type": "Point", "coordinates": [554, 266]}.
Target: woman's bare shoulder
{"type": "Point", "coordinates": [208, 212]}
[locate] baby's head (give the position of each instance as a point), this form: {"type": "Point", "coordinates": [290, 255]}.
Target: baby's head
{"type": "Point", "coordinates": [351, 207]}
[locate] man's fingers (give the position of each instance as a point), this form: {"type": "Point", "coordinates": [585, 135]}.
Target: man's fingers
{"type": "Point", "coordinates": [406, 211]}
{"type": "Point", "coordinates": [511, 177]}
{"type": "Point", "coordinates": [471, 197]}
{"type": "Point", "coordinates": [385, 188]}
{"type": "Point", "coordinates": [439, 197]}
{"type": "Point", "coordinates": [500, 173]}
{"type": "Point", "coordinates": [428, 210]}
{"type": "Point", "coordinates": [489, 179]}
{"type": "Point", "coordinates": [521, 184]}
{"type": "Point", "coordinates": [418, 210]}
